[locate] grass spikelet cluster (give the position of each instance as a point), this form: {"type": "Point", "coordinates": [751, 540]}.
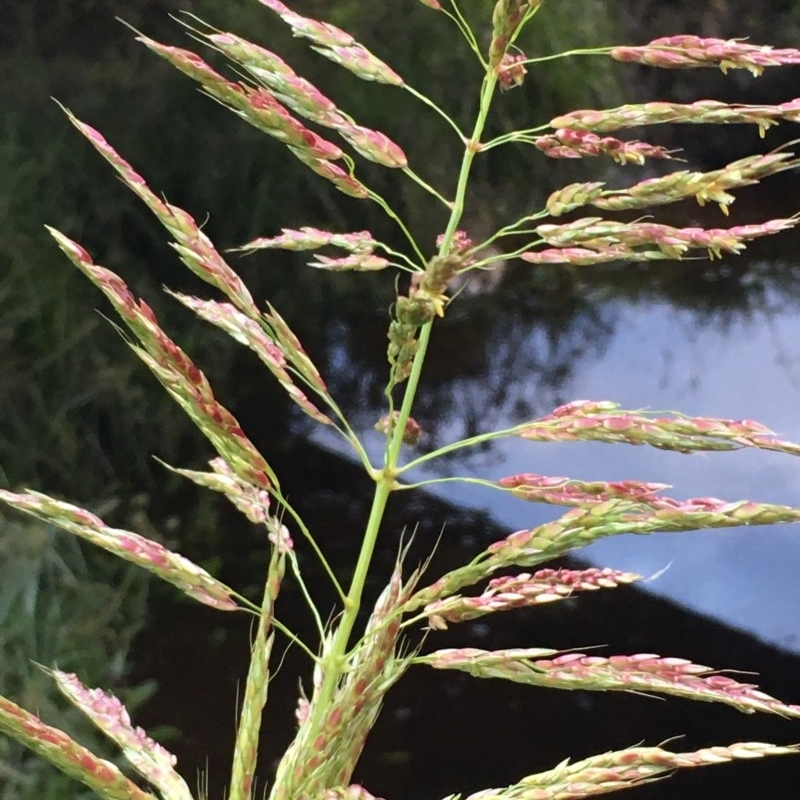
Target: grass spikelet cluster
{"type": "Point", "coordinates": [363, 648]}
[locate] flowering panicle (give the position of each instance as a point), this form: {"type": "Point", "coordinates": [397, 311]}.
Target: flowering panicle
{"type": "Point", "coordinates": [589, 523]}
{"type": "Point", "coordinates": [355, 791]}
{"type": "Point", "coordinates": [336, 45]}
{"type": "Point", "coordinates": [152, 761]}
{"type": "Point", "coordinates": [253, 502]}
{"type": "Point", "coordinates": [713, 186]}
{"type": "Point", "coordinates": [248, 332]}
{"type": "Point", "coordinates": [306, 100]}
{"type": "Point", "coordinates": [255, 105]}
{"type": "Point", "coordinates": [574, 143]}
{"type": "Point", "coordinates": [269, 69]}
{"type": "Point", "coordinates": [573, 196]}
{"type": "Point", "coordinates": [614, 239]}
{"type": "Point", "coordinates": [511, 71]}
{"type": "Point", "coordinates": [152, 556]}
{"type": "Point", "coordinates": [199, 254]}
{"type": "Point", "coordinates": [324, 758]}
{"type": "Point", "coordinates": [569, 492]}
{"type": "Point", "coordinates": [581, 526]}
{"type": "Point", "coordinates": [186, 384]}
{"type": "Point", "coordinates": [701, 112]}
{"type": "Point", "coordinates": [605, 421]}
{"type": "Point", "coordinates": [622, 769]}
{"type": "Point", "coordinates": [643, 672]}
{"type": "Point", "coordinates": [258, 107]}
{"type": "Point", "coordinates": [193, 246]}
{"type": "Point", "coordinates": [583, 256]}
{"type": "Point", "coordinates": [307, 238]}
{"type": "Point", "coordinates": [293, 350]}
{"type": "Point", "coordinates": [67, 755]}
{"type": "Point", "coordinates": [522, 591]}
{"type": "Point", "coordinates": [684, 52]}
{"type": "Point", "coordinates": [359, 262]}
{"type": "Point", "coordinates": [411, 434]}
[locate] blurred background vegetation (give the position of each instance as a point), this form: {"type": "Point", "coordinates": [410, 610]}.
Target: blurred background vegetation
{"type": "Point", "coordinates": [79, 417]}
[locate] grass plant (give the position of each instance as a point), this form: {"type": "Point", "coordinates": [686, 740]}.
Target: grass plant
{"type": "Point", "coordinates": [351, 666]}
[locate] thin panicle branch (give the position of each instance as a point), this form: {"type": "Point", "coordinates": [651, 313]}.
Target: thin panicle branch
{"type": "Point", "coordinates": [706, 187]}
{"type": "Point", "coordinates": [702, 112]}
{"type": "Point", "coordinates": [589, 523]}
{"type": "Point", "coordinates": [602, 240]}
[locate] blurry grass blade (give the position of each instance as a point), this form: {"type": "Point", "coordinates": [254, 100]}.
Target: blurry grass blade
{"type": "Point", "coordinates": [67, 755]}
{"type": "Point", "coordinates": [152, 556]}
{"type": "Point", "coordinates": [152, 761]}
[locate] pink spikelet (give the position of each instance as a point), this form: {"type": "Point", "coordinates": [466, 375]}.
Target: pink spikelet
{"type": "Point", "coordinates": [592, 420]}
{"type": "Point", "coordinates": [643, 672]}
{"type": "Point", "coordinates": [253, 335]}
{"type": "Point", "coordinates": [566, 491]}
{"type": "Point", "coordinates": [67, 755]}
{"type": "Point", "coordinates": [624, 769]}
{"type": "Point", "coordinates": [175, 370]}
{"type": "Point", "coordinates": [685, 52]}
{"type": "Point", "coordinates": [523, 591]}
{"type": "Point", "coordinates": [152, 761]}
{"type": "Point", "coordinates": [569, 143]}
{"type": "Point", "coordinates": [152, 556]}
{"type": "Point", "coordinates": [336, 45]}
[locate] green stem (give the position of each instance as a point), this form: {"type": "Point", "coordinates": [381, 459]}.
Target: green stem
{"type": "Point", "coordinates": [334, 662]}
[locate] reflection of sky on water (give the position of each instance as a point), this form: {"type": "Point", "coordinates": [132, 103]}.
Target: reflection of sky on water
{"type": "Point", "coordinates": [747, 578]}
